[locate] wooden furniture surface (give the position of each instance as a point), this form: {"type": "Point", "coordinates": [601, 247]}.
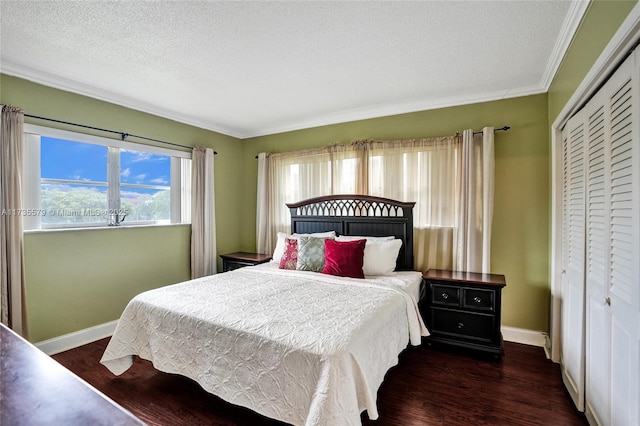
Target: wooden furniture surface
{"type": "Point", "coordinates": [36, 390]}
{"type": "Point", "coordinates": [239, 259]}
{"type": "Point", "coordinates": [463, 309]}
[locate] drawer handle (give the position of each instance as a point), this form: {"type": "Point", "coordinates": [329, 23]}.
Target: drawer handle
{"type": "Point", "coordinates": [445, 296]}
{"type": "Point", "coordinates": [477, 299]}
{"type": "Point", "coordinates": [460, 325]}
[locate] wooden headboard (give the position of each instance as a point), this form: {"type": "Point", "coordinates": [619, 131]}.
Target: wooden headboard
{"type": "Point", "coordinates": [358, 215]}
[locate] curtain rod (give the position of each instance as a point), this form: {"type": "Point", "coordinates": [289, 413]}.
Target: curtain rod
{"type": "Point", "coordinates": [123, 135]}
{"type": "Point", "coordinates": [503, 128]}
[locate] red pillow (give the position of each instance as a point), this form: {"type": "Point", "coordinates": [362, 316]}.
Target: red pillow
{"type": "Point", "coordinates": [289, 258]}
{"type": "Point", "coordinates": [344, 258]}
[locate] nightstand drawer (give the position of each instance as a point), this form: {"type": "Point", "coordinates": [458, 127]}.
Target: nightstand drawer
{"type": "Point", "coordinates": [445, 295]}
{"type": "Point", "coordinates": [483, 300]}
{"type": "Point", "coordinates": [229, 265]}
{"type": "Point", "coordinates": [462, 324]}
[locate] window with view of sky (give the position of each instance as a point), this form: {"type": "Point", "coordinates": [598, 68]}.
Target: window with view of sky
{"type": "Point", "coordinates": [75, 174]}
{"type": "Point", "coordinates": [145, 180]}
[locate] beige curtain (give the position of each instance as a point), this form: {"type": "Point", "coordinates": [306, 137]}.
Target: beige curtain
{"type": "Point", "coordinates": [264, 238]}
{"type": "Point", "coordinates": [426, 171]}
{"type": "Point", "coordinates": [203, 221]}
{"type": "Point", "coordinates": [475, 206]}
{"type": "Point", "coordinates": [349, 168]}
{"type": "Point", "coordinates": [12, 284]}
{"type": "Point", "coordinates": [291, 176]}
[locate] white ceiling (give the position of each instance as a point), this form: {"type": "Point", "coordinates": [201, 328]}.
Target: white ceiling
{"type": "Point", "coordinates": [254, 68]}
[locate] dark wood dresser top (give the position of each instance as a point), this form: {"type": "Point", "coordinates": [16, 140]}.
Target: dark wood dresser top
{"type": "Point", "coordinates": [249, 257]}
{"type": "Point", "coordinates": [467, 277]}
{"type": "Point", "coordinates": [37, 390]}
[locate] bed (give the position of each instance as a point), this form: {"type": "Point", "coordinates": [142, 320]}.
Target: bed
{"type": "Point", "coordinates": [300, 346]}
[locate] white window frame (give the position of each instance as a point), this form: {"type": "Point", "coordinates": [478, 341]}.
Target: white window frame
{"type": "Point", "coordinates": [180, 184]}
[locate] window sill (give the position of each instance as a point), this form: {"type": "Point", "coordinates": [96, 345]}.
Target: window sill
{"type": "Point", "coordinates": [101, 228]}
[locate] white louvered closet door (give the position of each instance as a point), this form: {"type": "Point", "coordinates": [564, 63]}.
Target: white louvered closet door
{"type": "Point", "coordinates": [610, 366]}
{"type": "Point", "coordinates": [598, 314]}
{"type": "Point", "coordinates": [573, 288]}
{"type": "Point", "coordinates": [624, 244]}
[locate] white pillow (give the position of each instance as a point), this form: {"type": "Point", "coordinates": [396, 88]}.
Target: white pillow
{"type": "Point", "coordinates": [355, 237]}
{"type": "Point", "coordinates": [380, 256]}
{"type": "Point", "coordinates": [280, 244]}
{"type": "Point", "coordinates": [327, 234]}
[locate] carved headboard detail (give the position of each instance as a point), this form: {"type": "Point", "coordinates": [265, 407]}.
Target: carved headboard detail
{"type": "Point", "coordinates": [358, 215]}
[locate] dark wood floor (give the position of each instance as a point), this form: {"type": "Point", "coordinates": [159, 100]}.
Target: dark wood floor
{"type": "Point", "coordinates": [430, 386]}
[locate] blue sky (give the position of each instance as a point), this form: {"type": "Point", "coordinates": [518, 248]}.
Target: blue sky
{"type": "Point", "coordinates": [62, 159]}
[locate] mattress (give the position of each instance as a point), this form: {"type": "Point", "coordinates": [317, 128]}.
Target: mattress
{"type": "Point", "coordinates": [301, 347]}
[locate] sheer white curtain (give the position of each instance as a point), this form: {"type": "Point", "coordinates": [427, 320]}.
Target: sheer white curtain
{"type": "Point", "coordinates": [285, 178]}
{"type": "Point", "coordinates": [475, 212]}
{"type": "Point", "coordinates": [428, 171]}
{"type": "Point", "coordinates": [203, 219]}
{"type": "Point", "coordinates": [12, 284]}
{"type": "Point", "coordinates": [293, 176]}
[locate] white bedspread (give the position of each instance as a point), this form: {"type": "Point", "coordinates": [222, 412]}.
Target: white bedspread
{"type": "Point", "coordinates": [301, 347]}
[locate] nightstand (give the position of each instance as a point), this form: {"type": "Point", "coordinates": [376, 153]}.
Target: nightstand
{"type": "Point", "coordinates": [239, 259]}
{"type": "Point", "coordinates": [463, 309]}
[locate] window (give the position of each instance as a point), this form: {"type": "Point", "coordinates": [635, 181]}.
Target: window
{"type": "Point", "coordinates": [77, 180]}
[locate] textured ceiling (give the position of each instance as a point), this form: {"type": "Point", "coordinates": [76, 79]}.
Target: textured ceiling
{"type": "Point", "coordinates": [254, 68]}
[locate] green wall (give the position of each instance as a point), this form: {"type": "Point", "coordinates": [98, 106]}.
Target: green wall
{"type": "Point", "coordinates": [79, 279]}
{"type": "Point", "coordinates": [521, 219]}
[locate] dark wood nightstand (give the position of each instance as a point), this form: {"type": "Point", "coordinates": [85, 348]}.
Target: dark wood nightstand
{"type": "Point", "coordinates": [463, 309]}
{"type": "Point", "coordinates": [231, 261]}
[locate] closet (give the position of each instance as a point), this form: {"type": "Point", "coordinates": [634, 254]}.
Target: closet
{"type": "Point", "coordinates": [600, 251]}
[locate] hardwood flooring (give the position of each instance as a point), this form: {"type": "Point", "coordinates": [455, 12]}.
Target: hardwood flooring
{"type": "Point", "coordinates": [429, 386]}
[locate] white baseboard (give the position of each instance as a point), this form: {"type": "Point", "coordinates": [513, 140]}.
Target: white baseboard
{"type": "Point", "coordinates": [526, 337]}
{"type": "Point", "coordinates": [91, 334]}
{"type": "Point", "coordinates": [77, 338]}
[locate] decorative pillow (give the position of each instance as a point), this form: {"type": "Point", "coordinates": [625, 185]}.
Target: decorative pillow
{"type": "Point", "coordinates": [310, 254]}
{"type": "Point", "coordinates": [289, 259]}
{"type": "Point", "coordinates": [344, 258]}
{"type": "Point", "coordinates": [280, 244]}
{"type": "Point", "coordinates": [380, 257]}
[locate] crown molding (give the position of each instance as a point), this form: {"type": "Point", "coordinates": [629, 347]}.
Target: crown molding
{"type": "Point", "coordinates": [571, 23]}
{"type": "Point", "coordinates": [379, 111]}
